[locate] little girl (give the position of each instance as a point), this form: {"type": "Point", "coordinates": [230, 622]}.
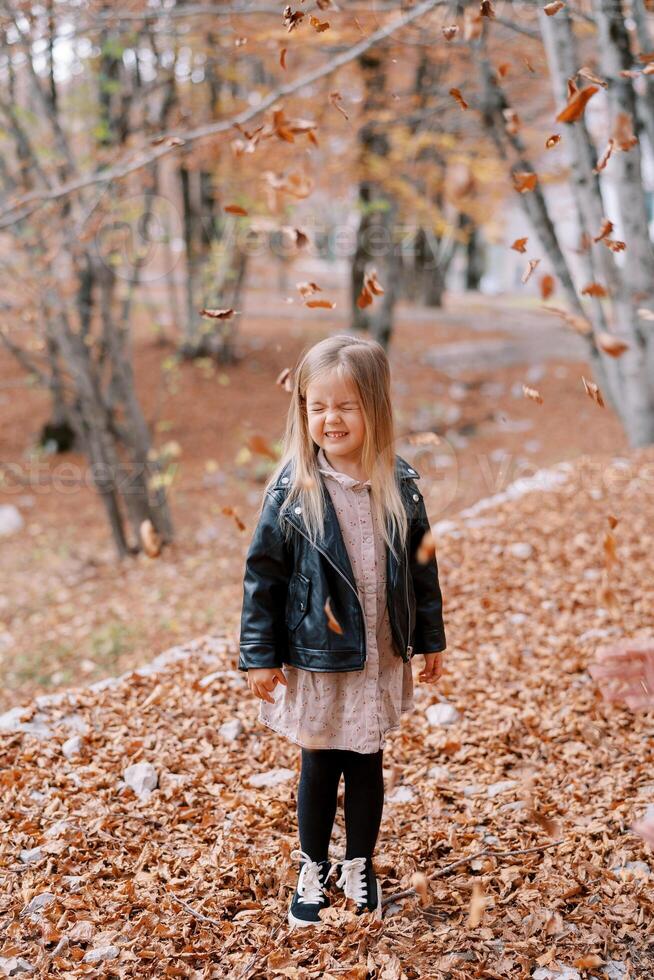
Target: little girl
{"type": "Point", "coordinates": [335, 604]}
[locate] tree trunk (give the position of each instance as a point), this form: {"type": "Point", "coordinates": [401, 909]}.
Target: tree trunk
{"type": "Point", "coordinates": [376, 247]}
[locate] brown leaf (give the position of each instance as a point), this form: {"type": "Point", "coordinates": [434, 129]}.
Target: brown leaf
{"type": "Point", "coordinates": [606, 229]}
{"type": "Point", "coordinates": [589, 962]}
{"type": "Point", "coordinates": [547, 285]}
{"type": "Point", "coordinates": [319, 304]}
{"type": "Point", "coordinates": [592, 390]}
{"type": "Point", "coordinates": [594, 289]}
{"type": "Point", "coordinates": [524, 180]}
{"type": "Point", "coordinates": [552, 140]}
{"type": "Point", "coordinates": [335, 99]}
{"type": "Point", "coordinates": [307, 288]}
{"type": "Point", "coordinates": [450, 32]}
{"type": "Point", "coordinates": [512, 121]}
{"type": "Point", "coordinates": [285, 379]}
{"type": "Point", "coordinates": [420, 882]}
{"type": "Point", "coordinates": [235, 209]}
{"type": "Point", "coordinates": [150, 539]}
{"type": "Point", "coordinates": [592, 77]}
{"type": "Point", "coordinates": [230, 512]}
{"type": "Point", "coordinates": [292, 18]}
{"type": "Point", "coordinates": [486, 8]}
{"type": "Point", "coordinates": [332, 622]}
{"type": "Point", "coordinates": [578, 323]}
{"type": "Point", "coordinates": [611, 344]}
{"type": "Point", "coordinates": [477, 905]}
{"type": "Point", "coordinates": [576, 104]}
{"type": "Point", "coordinates": [553, 7]}
{"type": "Point", "coordinates": [426, 549]}
{"type": "Point", "coordinates": [456, 94]}
{"type": "Point", "coordinates": [526, 276]}
{"type": "Point", "coordinates": [218, 314]}
{"type": "Point", "coordinates": [520, 245]}
{"type": "Point", "coordinates": [282, 58]}
{"type": "Point", "coordinates": [532, 393]}
{"type": "Point", "coordinates": [605, 157]}
{"type": "Point", "coordinates": [623, 131]}
{"type": "Point", "coordinates": [257, 444]}
{"type": "Point", "coordinates": [319, 26]}
{"type": "Point", "coordinates": [614, 244]}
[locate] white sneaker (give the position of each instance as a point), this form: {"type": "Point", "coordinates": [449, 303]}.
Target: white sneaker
{"type": "Point", "coordinates": [358, 881]}
{"type": "Point", "coordinates": [311, 891]}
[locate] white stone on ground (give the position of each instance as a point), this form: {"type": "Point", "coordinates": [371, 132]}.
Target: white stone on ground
{"type": "Point", "coordinates": [231, 729]}
{"type": "Point", "coordinates": [142, 778]}
{"type": "Point", "coordinates": [271, 778]}
{"type": "Point", "coordinates": [441, 714]}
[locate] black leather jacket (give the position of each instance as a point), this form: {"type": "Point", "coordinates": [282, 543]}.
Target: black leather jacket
{"type": "Point", "coordinates": [286, 585]}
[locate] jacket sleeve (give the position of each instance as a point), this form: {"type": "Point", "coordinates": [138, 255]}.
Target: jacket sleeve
{"type": "Point", "coordinates": [429, 634]}
{"type": "Point", "coordinates": [268, 570]}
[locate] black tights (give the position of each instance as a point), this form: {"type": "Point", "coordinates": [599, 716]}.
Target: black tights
{"type": "Point", "coordinates": [317, 797]}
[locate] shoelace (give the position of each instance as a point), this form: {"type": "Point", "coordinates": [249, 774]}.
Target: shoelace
{"type": "Point", "coordinates": [353, 879]}
{"type": "Point", "coordinates": [309, 887]}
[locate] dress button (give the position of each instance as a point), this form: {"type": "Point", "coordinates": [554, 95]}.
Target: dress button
{"type": "Point", "coordinates": [298, 510]}
{"type": "Point", "coordinates": [284, 479]}
{"type": "Point", "coordinates": [416, 496]}
{"type": "Point", "coordinates": [411, 471]}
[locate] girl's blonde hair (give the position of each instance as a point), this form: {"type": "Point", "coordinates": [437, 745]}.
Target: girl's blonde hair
{"type": "Point", "coordinates": [365, 363]}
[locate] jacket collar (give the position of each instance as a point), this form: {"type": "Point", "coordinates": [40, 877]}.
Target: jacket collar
{"type": "Point", "coordinates": [403, 471]}
{"type": "Point", "coordinates": [331, 540]}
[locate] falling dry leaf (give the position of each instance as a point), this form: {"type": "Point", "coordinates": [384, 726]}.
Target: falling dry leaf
{"type": "Point", "coordinates": [477, 905]}
{"type": "Point", "coordinates": [614, 244]}
{"type": "Point", "coordinates": [594, 289]}
{"type": "Point", "coordinates": [520, 245]}
{"type": "Point", "coordinates": [576, 104]}
{"type": "Point", "coordinates": [285, 379]}
{"type": "Point", "coordinates": [307, 288]}
{"type": "Point", "coordinates": [456, 94]}
{"type": "Point", "coordinates": [332, 622]}
{"type": "Point", "coordinates": [606, 229]}
{"type": "Point", "coordinates": [611, 344]}
{"type": "Point", "coordinates": [318, 25]}
{"type": "Point", "coordinates": [646, 314]}
{"type": "Point", "coordinates": [450, 32]}
{"type": "Point", "coordinates": [319, 304]}
{"type": "Point", "coordinates": [150, 539]}
{"type": "Point", "coordinates": [592, 390]}
{"type": "Point", "coordinates": [547, 285]}
{"type": "Point", "coordinates": [420, 882]}
{"type": "Point", "coordinates": [257, 444]}
{"type": "Point", "coordinates": [532, 393]}
{"type": "Point", "coordinates": [282, 58]}
{"type": "Point", "coordinates": [578, 323]}
{"type": "Point", "coordinates": [371, 287]}
{"type": "Point", "coordinates": [235, 209]}
{"type": "Point", "coordinates": [486, 8]}
{"type": "Point", "coordinates": [335, 98]}
{"type": "Point", "coordinates": [524, 181]}
{"type": "Point", "coordinates": [605, 157]}
{"type": "Point", "coordinates": [218, 314]}
{"type": "Point", "coordinates": [167, 141]}
{"type": "Point", "coordinates": [426, 549]}
{"type": "Point", "coordinates": [230, 512]}
{"type": "Point", "coordinates": [592, 77]}
{"type": "Point", "coordinates": [511, 121]}
{"type": "Point", "coordinates": [292, 18]}
{"type": "Point", "coordinates": [623, 132]}
{"type": "Point", "coordinates": [526, 276]}
{"type": "Point", "coordinates": [553, 7]}
{"type": "Point", "coordinates": [552, 140]}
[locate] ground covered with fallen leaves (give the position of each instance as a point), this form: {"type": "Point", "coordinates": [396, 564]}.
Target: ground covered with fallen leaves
{"type": "Point", "coordinates": [193, 880]}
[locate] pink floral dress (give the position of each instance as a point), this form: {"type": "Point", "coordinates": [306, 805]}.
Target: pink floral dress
{"type": "Point", "coordinates": [349, 709]}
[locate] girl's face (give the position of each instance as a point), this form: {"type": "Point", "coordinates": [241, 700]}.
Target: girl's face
{"type": "Point", "coordinates": [335, 416]}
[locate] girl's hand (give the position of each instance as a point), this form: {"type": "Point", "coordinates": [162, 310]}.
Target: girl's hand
{"type": "Point", "coordinates": [262, 680]}
{"type": "Point", "coordinates": [433, 668]}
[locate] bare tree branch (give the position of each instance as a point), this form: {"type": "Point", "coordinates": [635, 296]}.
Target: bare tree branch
{"type": "Point", "coordinates": [11, 215]}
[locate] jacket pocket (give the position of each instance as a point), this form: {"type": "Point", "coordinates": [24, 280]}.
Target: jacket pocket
{"type": "Point", "coordinates": [297, 602]}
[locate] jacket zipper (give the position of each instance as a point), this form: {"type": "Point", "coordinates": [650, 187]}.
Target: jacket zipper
{"type": "Point", "coordinates": [406, 594]}
{"type": "Point", "coordinates": [346, 579]}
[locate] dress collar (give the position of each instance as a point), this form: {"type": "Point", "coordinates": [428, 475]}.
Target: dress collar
{"type": "Point", "coordinates": [346, 481]}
